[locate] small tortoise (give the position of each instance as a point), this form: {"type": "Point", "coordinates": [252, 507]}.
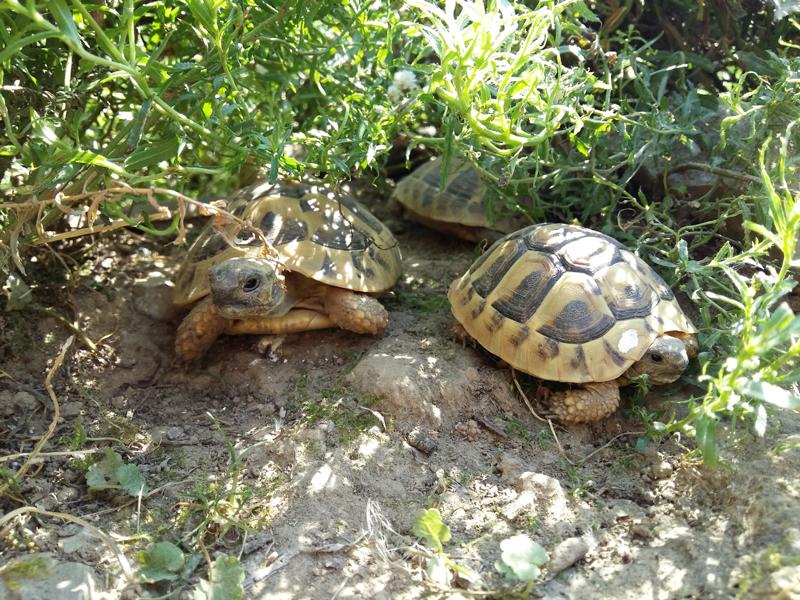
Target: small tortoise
{"type": "Point", "coordinates": [458, 209]}
{"type": "Point", "coordinates": [332, 253]}
{"type": "Point", "coordinates": [569, 304]}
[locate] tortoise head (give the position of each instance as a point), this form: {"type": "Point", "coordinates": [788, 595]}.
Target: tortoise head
{"type": "Point", "coordinates": [248, 287]}
{"type": "Point", "coordinates": [664, 361]}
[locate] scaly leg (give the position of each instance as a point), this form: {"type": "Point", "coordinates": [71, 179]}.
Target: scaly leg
{"type": "Point", "coordinates": [198, 331]}
{"type": "Point", "coordinates": [356, 312]}
{"type": "Point", "coordinates": [592, 402]}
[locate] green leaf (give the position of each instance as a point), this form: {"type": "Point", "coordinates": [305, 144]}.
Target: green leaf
{"type": "Point", "coordinates": [227, 579]}
{"type": "Point", "coordinates": [429, 526]}
{"type": "Point", "coordinates": [769, 392]}
{"type": "Point", "coordinates": [521, 558]}
{"type": "Point", "coordinates": [63, 17]}
{"type": "Point", "coordinates": [153, 153]}
{"type": "Point", "coordinates": [112, 473]}
{"type": "Point", "coordinates": [18, 292]}
{"type": "Point", "coordinates": [161, 562]}
{"type": "Point", "coordinates": [130, 479]}
{"type": "Point", "coordinates": [101, 475]}
{"type": "Point", "coordinates": [706, 433]}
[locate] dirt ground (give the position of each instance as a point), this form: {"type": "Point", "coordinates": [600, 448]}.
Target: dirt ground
{"type": "Point", "coordinates": [308, 456]}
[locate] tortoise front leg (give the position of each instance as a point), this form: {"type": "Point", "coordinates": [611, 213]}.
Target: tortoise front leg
{"type": "Point", "coordinates": [356, 312]}
{"type": "Point", "coordinates": [198, 331]}
{"type": "Point", "coordinates": [592, 402]}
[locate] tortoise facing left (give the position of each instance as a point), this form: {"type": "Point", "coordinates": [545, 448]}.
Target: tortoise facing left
{"type": "Point", "coordinates": [569, 304]}
{"type": "Point", "coordinates": [332, 253]}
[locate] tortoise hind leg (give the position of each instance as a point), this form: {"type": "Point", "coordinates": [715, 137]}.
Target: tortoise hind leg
{"type": "Point", "coordinates": [198, 330]}
{"type": "Point", "coordinates": [356, 312]}
{"type": "Point", "coordinates": [592, 402]}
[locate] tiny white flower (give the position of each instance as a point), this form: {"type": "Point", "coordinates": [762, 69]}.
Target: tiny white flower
{"type": "Point", "coordinates": [405, 80]}
{"type": "Point", "coordinates": [394, 93]}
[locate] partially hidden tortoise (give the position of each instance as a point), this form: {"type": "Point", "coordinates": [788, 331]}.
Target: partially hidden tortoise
{"type": "Point", "coordinates": [565, 303]}
{"type": "Point", "coordinates": [332, 253]}
{"type": "Point", "coordinates": [457, 208]}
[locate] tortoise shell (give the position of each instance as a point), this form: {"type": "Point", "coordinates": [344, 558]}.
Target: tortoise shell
{"type": "Point", "coordinates": [565, 303]}
{"type": "Point", "coordinates": [460, 201]}
{"type": "Point", "coordinates": [328, 237]}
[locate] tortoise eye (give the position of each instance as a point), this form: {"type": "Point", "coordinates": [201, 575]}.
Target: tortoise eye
{"type": "Point", "coordinates": [656, 357]}
{"type": "Point", "coordinates": [251, 284]}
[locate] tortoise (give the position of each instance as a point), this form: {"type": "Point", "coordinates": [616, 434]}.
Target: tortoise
{"type": "Point", "coordinates": [458, 209]}
{"type": "Point", "coordinates": [565, 303]}
{"type": "Point", "coordinates": [331, 255]}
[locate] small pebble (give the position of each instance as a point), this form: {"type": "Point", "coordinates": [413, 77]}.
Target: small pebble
{"type": "Point", "coordinates": [661, 470]}
{"type": "Point", "coordinates": [566, 554]}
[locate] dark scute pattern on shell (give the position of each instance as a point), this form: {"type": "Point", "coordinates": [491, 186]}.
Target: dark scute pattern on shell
{"type": "Point", "coordinates": [548, 350]}
{"type": "Point", "coordinates": [428, 196]}
{"type": "Point", "coordinates": [664, 291]}
{"type": "Point", "coordinates": [638, 301]}
{"type": "Point", "coordinates": [578, 362]}
{"type": "Point", "coordinates": [492, 276]}
{"type": "Point", "coordinates": [465, 184]}
{"type": "Point", "coordinates": [362, 213]}
{"type": "Point", "coordinates": [376, 256]}
{"type": "Point", "coordinates": [520, 335]}
{"type": "Point", "coordinates": [476, 312]}
{"type": "Point", "coordinates": [309, 205]}
{"type": "Point", "coordinates": [212, 246]}
{"type": "Point", "coordinates": [577, 323]}
{"type": "Point", "coordinates": [526, 298]}
{"type": "Point", "coordinates": [290, 229]}
{"type": "Point", "coordinates": [338, 239]}
{"type": "Point", "coordinates": [618, 359]}
{"type": "Point", "coordinates": [494, 322]}
{"type": "Point", "coordinates": [593, 266]}
{"type": "Point", "coordinates": [327, 265]}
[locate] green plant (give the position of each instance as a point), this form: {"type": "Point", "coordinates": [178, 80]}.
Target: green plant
{"type": "Point", "coordinates": [439, 566]}
{"type": "Point", "coordinates": [112, 473]}
{"type": "Point", "coordinates": [520, 559]}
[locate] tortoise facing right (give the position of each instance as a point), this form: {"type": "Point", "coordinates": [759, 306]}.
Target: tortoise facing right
{"type": "Point", "coordinates": [569, 304]}
{"type": "Point", "coordinates": [332, 256]}
{"type": "Point", "coordinates": [458, 208]}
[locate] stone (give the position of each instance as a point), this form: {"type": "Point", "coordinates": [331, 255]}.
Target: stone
{"type": "Point", "coordinates": [542, 495]}
{"type": "Point", "coordinates": [661, 470]}
{"type": "Point", "coordinates": [152, 297]}
{"type": "Point", "coordinates": [75, 543]}
{"type": "Point", "coordinates": [426, 387]}
{"type": "Point", "coordinates": [41, 576]}
{"type": "Point", "coordinates": [510, 467]}
{"type": "Point", "coordinates": [25, 400]}
{"type": "Point", "coordinates": [566, 554]}
{"type": "Point", "coordinates": [71, 409]}
{"type": "Point", "coordinates": [783, 584]}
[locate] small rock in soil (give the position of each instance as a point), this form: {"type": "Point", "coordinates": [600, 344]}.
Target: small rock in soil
{"type": "Point", "coordinates": [566, 554]}
{"type": "Point", "coordinates": [422, 440]}
{"type": "Point", "coordinates": [41, 577]}
{"type": "Point", "coordinates": [661, 470]}
{"type": "Point", "coordinates": [544, 495]}
{"type": "Point", "coordinates": [510, 467]}
{"type": "Point", "coordinates": [469, 430]}
{"type": "Point", "coordinates": [783, 584]}
{"type": "Point", "coordinates": [71, 409]}
{"type": "Point", "coordinates": [25, 400]}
